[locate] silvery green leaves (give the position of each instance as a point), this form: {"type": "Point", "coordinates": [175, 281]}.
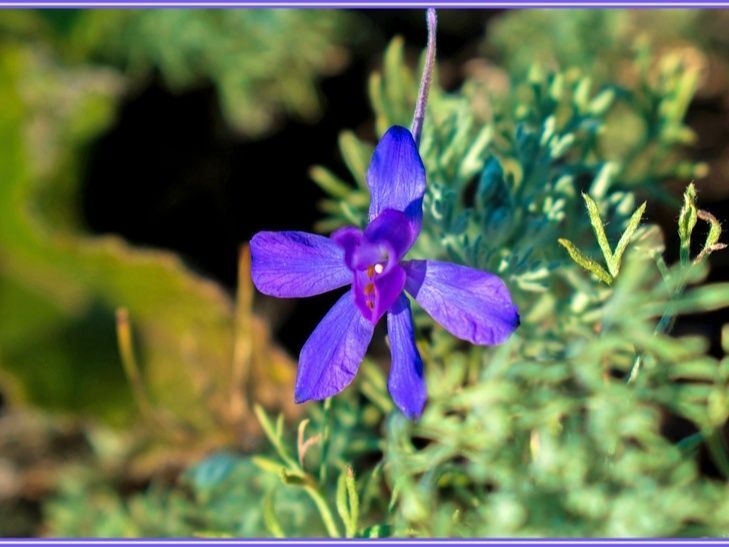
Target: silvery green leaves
{"type": "Point", "coordinates": [612, 258]}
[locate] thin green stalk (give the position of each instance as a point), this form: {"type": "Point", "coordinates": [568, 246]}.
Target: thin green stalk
{"type": "Point", "coordinates": [718, 452]}
{"type": "Point", "coordinates": [324, 511]}
{"type": "Point", "coordinates": [326, 434]}
{"type": "Point", "coordinates": [665, 323]}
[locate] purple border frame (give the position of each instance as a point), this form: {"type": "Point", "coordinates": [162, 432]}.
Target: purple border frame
{"type": "Point", "coordinates": [387, 542]}
{"type": "Point", "coordinates": [384, 542]}
{"type": "Point", "coordinates": [369, 4]}
{"type": "Point", "coordinates": [372, 4]}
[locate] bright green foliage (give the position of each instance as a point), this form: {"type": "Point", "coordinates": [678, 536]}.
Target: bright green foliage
{"type": "Point", "coordinates": [561, 431]}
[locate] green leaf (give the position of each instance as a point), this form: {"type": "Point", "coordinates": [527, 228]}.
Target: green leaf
{"type": "Point", "coordinates": [274, 435]}
{"type": "Point", "coordinates": [209, 534]}
{"type": "Point", "coordinates": [625, 239]}
{"type": "Point", "coordinates": [602, 102]}
{"type": "Point", "coordinates": [604, 179]}
{"type": "Point", "coordinates": [267, 464]}
{"type": "Point", "coordinates": [329, 182]}
{"type": "Point", "coordinates": [587, 263]}
{"type": "Point", "coordinates": [348, 501]}
{"type": "Point", "coordinates": [377, 531]}
{"type": "Point", "coordinates": [712, 239]}
{"type": "Point", "coordinates": [295, 479]}
{"type": "Point", "coordinates": [356, 156]}
{"type": "Point", "coordinates": [701, 299]}
{"type": "Point", "coordinates": [342, 507]}
{"type": "Point", "coordinates": [269, 516]}
{"type": "Point", "coordinates": [392, 92]}
{"type": "Point", "coordinates": [582, 95]}
{"type": "Point", "coordinates": [560, 146]}
{"type": "Point", "coordinates": [599, 230]}
{"type": "Point", "coordinates": [266, 424]}
{"type": "Point", "coordinates": [212, 471]}
{"type": "Point", "coordinates": [715, 228]}
{"type": "Point", "coordinates": [353, 499]}
{"type": "Point", "coordinates": [395, 91]}
{"type": "Point", "coordinates": [473, 160]}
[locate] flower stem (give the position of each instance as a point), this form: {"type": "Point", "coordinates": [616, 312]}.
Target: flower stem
{"type": "Point", "coordinates": [717, 450]}
{"type": "Point", "coordinates": [326, 434]}
{"type": "Point", "coordinates": [129, 362]}
{"type": "Point", "coordinates": [665, 324]}
{"type": "Point", "coordinates": [425, 79]}
{"type": "Point", "coordinates": [324, 511]}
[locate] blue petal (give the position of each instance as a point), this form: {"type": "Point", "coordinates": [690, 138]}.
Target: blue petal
{"type": "Point", "coordinates": [331, 356]}
{"type": "Point", "coordinates": [394, 228]}
{"type": "Point", "coordinates": [406, 382]}
{"type": "Point", "coordinates": [296, 264]}
{"type": "Point", "coordinates": [349, 239]}
{"type": "Point", "coordinates": [396, 176]}
{"type": "Point", "coordinates": [473, 305]}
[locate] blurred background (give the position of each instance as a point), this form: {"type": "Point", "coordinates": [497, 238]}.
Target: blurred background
{"type": "Point", "coordinates": [140, 150]}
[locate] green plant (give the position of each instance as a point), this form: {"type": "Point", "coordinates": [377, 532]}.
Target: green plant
{"type": "Point", "coordinates": [563, 430]}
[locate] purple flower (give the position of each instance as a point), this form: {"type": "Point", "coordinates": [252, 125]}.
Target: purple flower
{"type": "Point", "coordinates": [473, 305]}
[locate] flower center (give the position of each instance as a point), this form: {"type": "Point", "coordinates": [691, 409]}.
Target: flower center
{"type": "Point", "coordinates": [370, 290]}
{"type": "Point", "coordinates": [373, 256]}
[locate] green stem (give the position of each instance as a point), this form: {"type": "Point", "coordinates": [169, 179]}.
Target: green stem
{"type": "Point", "coordinates": [717, 449]}
{"type": "Point", "coordinates": [665, 323]}
{"type": "Point", "coordinates": [326, 434]}
{"type": "Point", "coordinates": [635, 369]}
{"type": "Point", "coordinates": [324, 511]}
{"type": "Point", "coordinates": [691, 443]}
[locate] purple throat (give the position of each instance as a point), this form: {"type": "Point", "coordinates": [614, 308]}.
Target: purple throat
{"type": "Point", "coordinates": [373, 256]}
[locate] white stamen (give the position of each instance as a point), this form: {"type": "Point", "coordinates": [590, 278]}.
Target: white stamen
{"type": "Point", "coordinates": [379, 268]}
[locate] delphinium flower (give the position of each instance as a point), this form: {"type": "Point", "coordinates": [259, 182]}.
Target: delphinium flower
{"type": "Point", "coordinates": [472, 305]}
